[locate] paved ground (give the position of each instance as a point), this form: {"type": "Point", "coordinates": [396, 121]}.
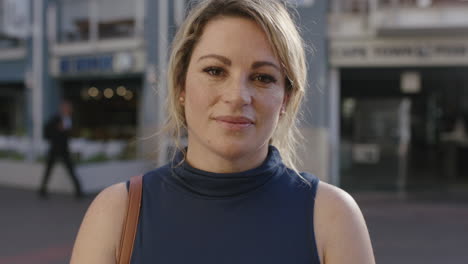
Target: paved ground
{"type": "Point", "coordinates": [421, 228]}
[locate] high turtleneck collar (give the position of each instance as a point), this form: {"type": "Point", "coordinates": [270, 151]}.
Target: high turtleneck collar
{"type": "Point", "coordinates": [218, 185]}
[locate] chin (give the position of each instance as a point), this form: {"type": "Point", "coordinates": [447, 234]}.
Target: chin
{"type": "Point", "coordinates": [234, 150]}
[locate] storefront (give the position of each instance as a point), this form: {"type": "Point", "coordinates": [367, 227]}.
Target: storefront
{"type": "Point", "coordinates": [105, 91]}
{"type": "Point", "coordinates": [104, 109]}
{"type": "Point", "coordinates": [13, 97]}
{"type": "Point", "coordinates": [12, 110]}
{"type": "Point", "coordinates": [403, 113]}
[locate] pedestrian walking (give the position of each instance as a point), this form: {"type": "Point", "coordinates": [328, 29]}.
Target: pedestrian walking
{"type": "Point", "coordinates": [57, 132]}
{"type": "Point", "coordinates": [236, 78]}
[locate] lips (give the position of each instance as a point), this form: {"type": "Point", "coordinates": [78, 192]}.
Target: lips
{"type": "Point", "coordinates": [235, 119]}
{"type": "Point", "coordinates": [234, 122]}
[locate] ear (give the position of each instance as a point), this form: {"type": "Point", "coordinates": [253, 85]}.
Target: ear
{"type": "Point", "coordinates": [182, 97]}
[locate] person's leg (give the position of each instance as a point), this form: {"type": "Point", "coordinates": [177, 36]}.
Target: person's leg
{"type": "Point", "coordinates": [50, 162]}
{"type": "Point", "coordinates": [71, 170]}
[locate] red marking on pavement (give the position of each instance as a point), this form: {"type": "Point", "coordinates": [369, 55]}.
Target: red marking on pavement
{"type": "Point", "coordinates": [45, 255]}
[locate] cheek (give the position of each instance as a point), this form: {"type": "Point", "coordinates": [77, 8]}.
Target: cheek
{"type": "Point", "coordinates": [197, 98]}
{"type": "Point", "coordinates": [272, 103]}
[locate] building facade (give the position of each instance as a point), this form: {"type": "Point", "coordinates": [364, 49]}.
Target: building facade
{"type": "Point", "coordinates": [109, 58]}
{"type": "Point", "coordinates": [399, 74]}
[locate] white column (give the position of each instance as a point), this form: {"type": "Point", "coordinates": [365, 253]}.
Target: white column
{"type": "Point", "coordinates": [163, 45]}
{"type": "Point", "coordinates": [139, 18]}
{"type": "Point", "coordinates": [37, 75]}
{"type": "Point", "coordinates": [372, 16]}
{"type": "Point", "coordinates": [179, 11]}
{"type": "Point", "coordinates": [334, 82]}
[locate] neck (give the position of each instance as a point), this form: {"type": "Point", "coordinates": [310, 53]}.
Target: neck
{"type": "Point", "coordinates": [211, 161]}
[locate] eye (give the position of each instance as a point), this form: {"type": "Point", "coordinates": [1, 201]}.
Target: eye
{"type": "Point", "coordinates": [214, 71]}
{"type": "Point", "coordinates": [264, 78]}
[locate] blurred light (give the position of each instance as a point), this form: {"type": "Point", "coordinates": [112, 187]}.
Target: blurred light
{"type": "Point", "coordinates": [93, 92]}
{"type": "Point", "coordinates": [410, 82]}
{"type": "Point", "coordinates": [108, 93]}
{"type": "Point", "coordinates": [128, 95]}
{"type": "Point", "coordinates": [349, 106]}
{"type": "Point", "coordinates": [121, 90]}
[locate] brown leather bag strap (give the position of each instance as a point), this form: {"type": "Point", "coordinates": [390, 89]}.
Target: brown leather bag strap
{"type": "Point", "coordinates": [129, 227]}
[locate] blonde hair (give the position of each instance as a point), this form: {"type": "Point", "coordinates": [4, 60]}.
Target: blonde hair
{"type": "Point", "coordinates": [287, 44]}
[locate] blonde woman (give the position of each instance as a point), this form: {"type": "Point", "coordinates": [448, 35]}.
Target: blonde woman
{"type": "Point", "coordinates": [236, 80]}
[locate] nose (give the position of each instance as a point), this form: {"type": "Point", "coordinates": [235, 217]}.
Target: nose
{"type": "Point", "coordinates": [238, 93]}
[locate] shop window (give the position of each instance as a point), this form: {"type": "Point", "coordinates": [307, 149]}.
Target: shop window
{"type": "Point", "coordinates": [105, 118]}
{"type": "Point", "coordinates": [10, 42]}
{"type": "Point", "coordinates": [13, 139]}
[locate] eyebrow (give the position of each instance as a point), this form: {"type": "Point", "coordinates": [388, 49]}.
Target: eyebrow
{"type": "Point", "coordinates": [259, 64]}
{"type": "Point", "coordinates": [226, 61]}
{"type": "Point", "coordinates": [218, 57]}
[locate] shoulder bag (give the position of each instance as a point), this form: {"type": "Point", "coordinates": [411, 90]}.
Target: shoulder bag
{"type": "Point", "coordinates": [130, 224]}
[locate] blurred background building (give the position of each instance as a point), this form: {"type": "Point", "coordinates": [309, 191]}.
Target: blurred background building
{"type": "Point", "coordinates": [399, 69]}
{"type": "Point", "coordinates": [386, 109]}
{"type": "Point", "coordinates": [109, 58]}
{"type": "Point", "coordinates": [103, 56]}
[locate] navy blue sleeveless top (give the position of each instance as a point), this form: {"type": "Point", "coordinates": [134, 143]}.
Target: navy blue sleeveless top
{"type": "Point", "coordinates": [263, 215]}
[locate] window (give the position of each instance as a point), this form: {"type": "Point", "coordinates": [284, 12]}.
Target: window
{"type": "Point", "coordinates": [105, 114]}
{"type": "Point", "coordinates": [18, 24]}
{"type": "Point", "coordinates": [74, 20]}
{"type": "Point", "coordinates": [84, 20]}
{"type": "Point", "coordinates": [116, 18]}
{"type": "Point", "coordinates": [349, 6]}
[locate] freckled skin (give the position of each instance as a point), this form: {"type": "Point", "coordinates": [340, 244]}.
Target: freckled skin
{"type": "Point", "coordinates": [232, 72]}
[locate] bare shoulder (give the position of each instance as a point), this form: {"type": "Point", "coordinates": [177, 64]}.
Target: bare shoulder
{"type": "Point", "coordinates": [335, 200]}
{"type": "Point", "coordinates": [99, 235]}
{"type": "Point", "coordinates": [341, 231]}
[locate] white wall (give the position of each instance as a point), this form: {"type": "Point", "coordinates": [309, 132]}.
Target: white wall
{"type": "Point", "coordinates": [116, 9]}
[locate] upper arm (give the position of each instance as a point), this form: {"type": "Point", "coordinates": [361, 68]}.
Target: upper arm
{"type": "Point", "coordinates": [99, 235]}
{"type": "Point", "coordinates": [341, 228]}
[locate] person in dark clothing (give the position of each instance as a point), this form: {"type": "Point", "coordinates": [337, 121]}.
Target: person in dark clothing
{"type": "Point", "coordinates": [57, 131]}
{"type": "Point", "coordinates": [236, 77]}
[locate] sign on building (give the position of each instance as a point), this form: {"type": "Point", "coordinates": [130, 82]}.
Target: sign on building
{"type": "Point", "coordinates": [399, 52]}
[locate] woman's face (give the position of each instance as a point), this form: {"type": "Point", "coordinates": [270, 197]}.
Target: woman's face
{"type": "Point", "coordinates": [234, 90]}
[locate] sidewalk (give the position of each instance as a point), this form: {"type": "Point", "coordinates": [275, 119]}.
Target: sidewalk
{"type": "Point", "coordinates": [429, 228]}
{"type": "Point", "coordinates": [420, 229]}
{"type": "Point", "coordinates": [38, 231]}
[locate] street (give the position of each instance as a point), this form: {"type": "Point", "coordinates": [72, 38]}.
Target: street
{"type": "Point", "coordinates": [421, 228]}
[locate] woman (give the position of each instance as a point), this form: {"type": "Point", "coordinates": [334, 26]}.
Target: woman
{"type": "Point", "coordinates": [236, 79]}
